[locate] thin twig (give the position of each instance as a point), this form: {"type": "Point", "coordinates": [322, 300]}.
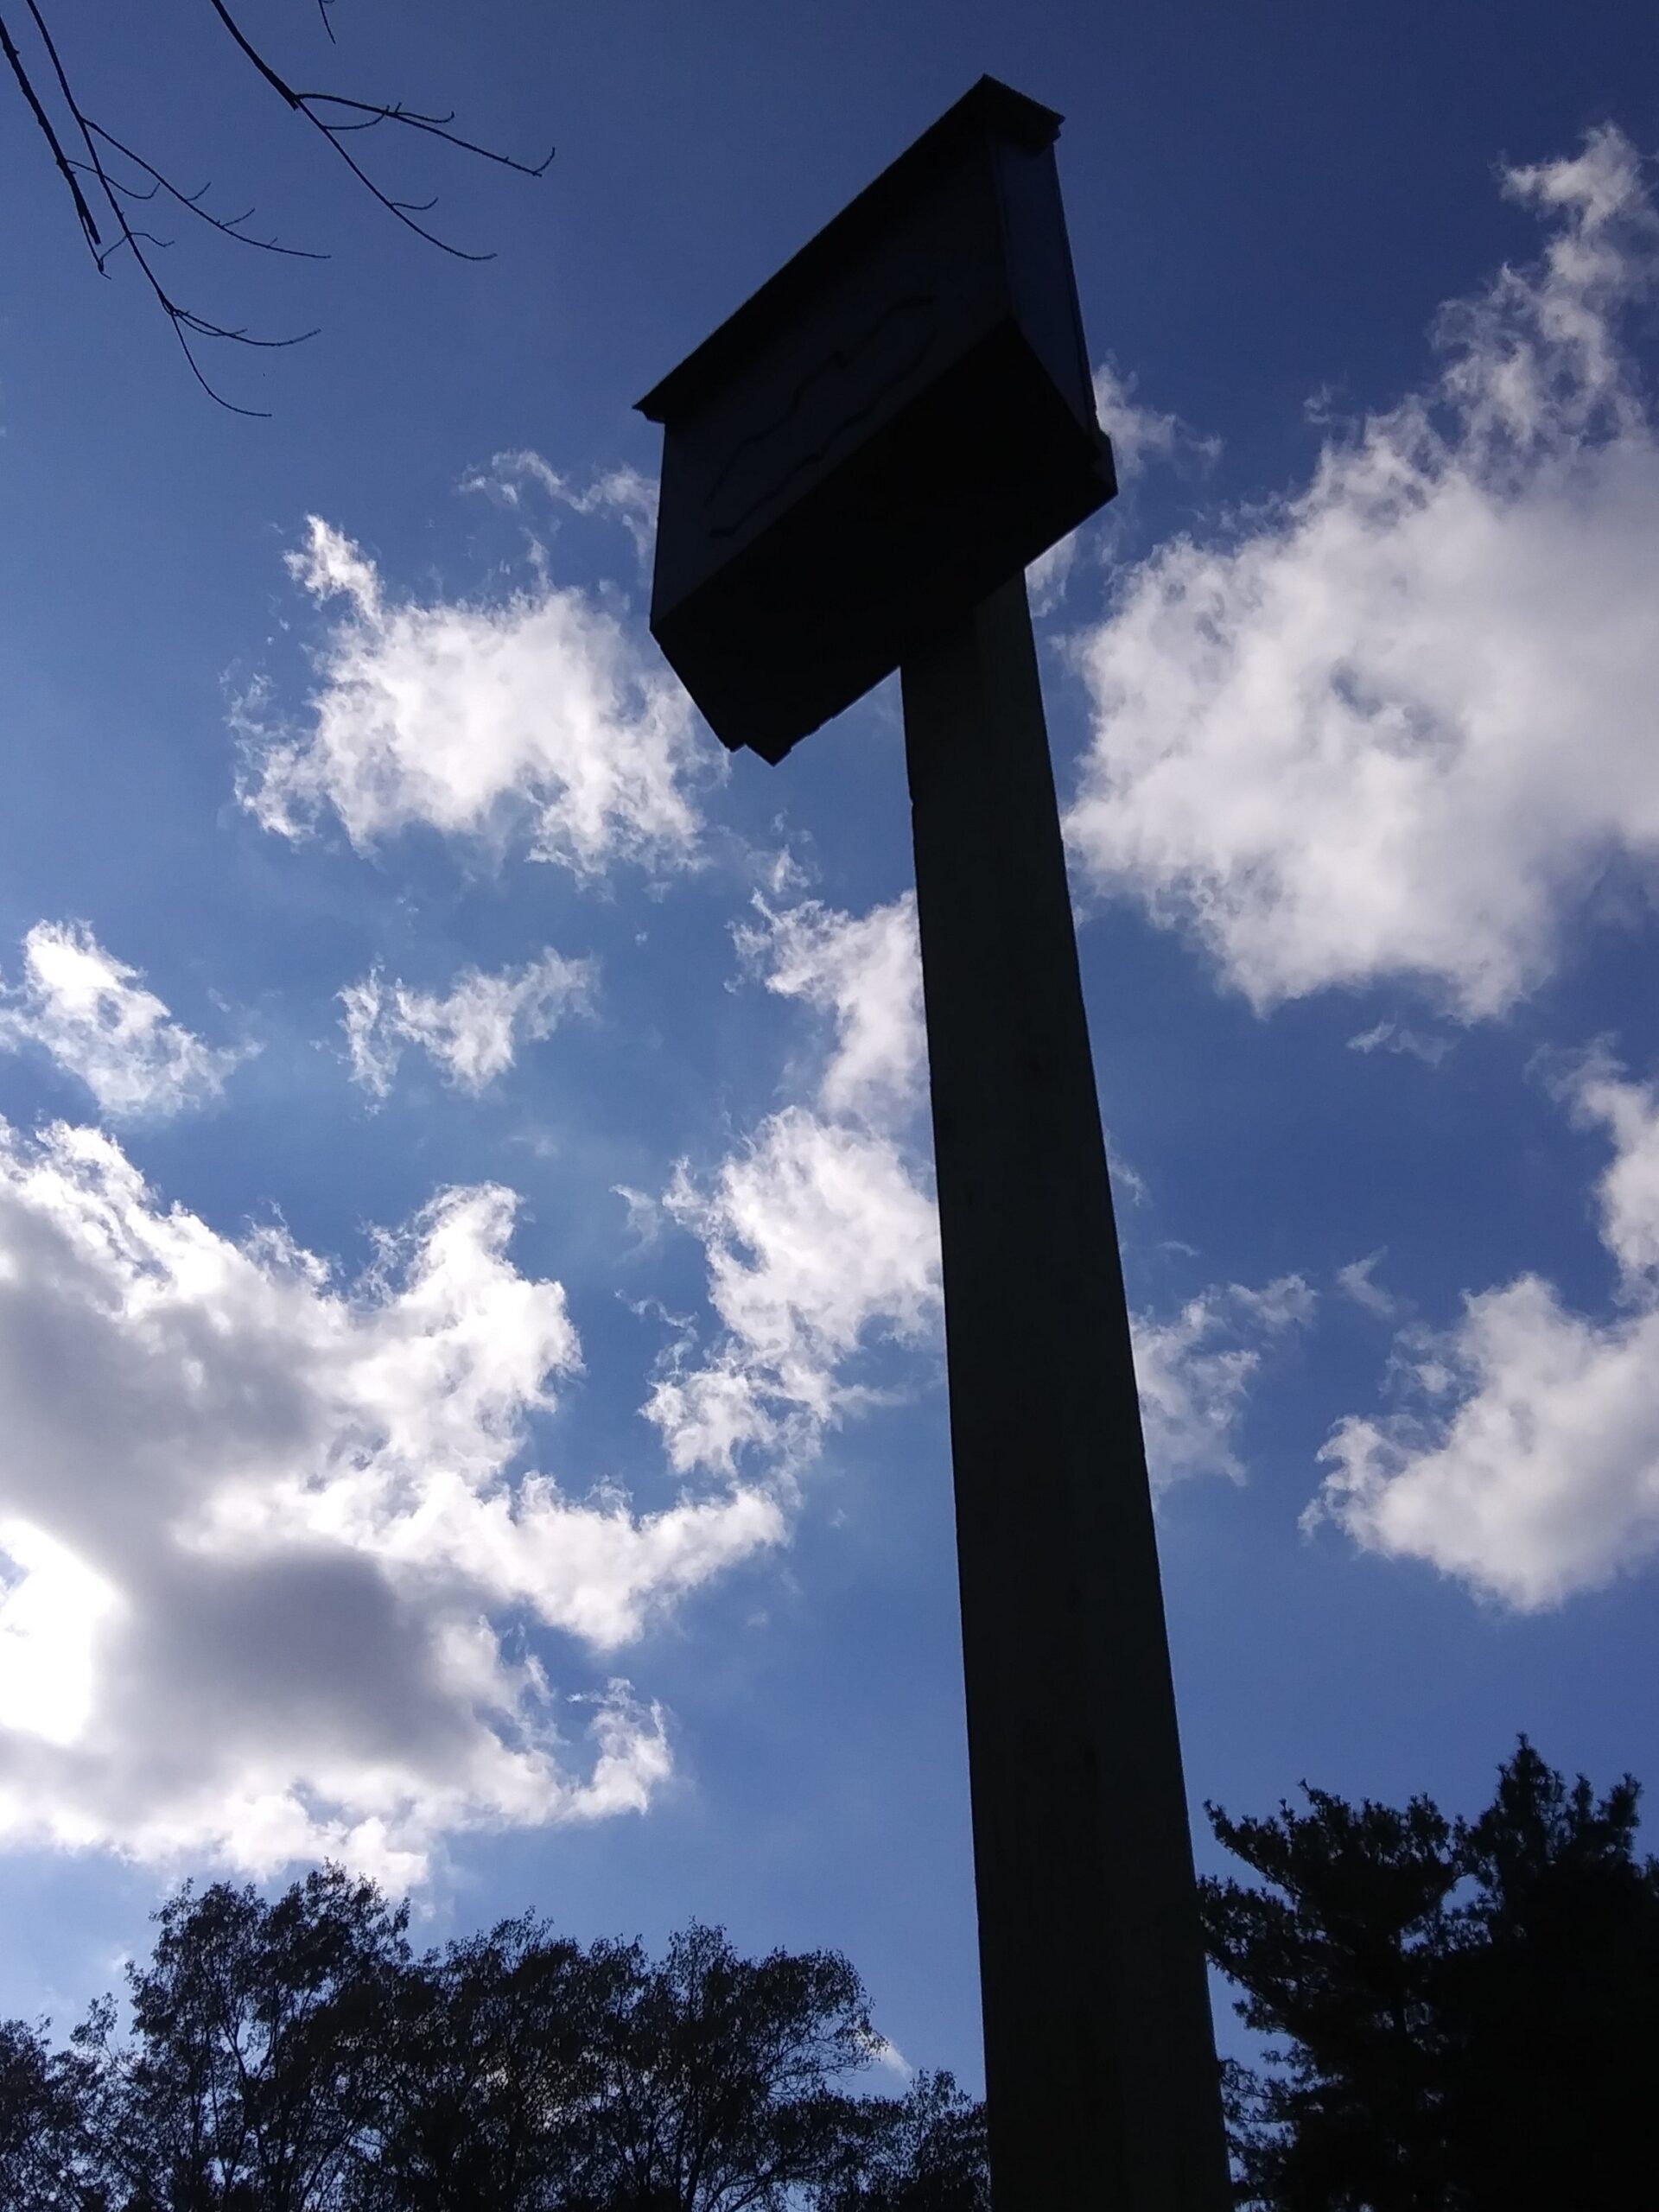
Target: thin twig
{"type": "Point", "coordinates": [333, 116]}
{"type": "Point", "coordinates": [186, 322]}
{"type": "Point", "coordinates": [433, 125]}
{"type": "Point", "coordinates": [230, 225]}
{"type": "Point", "coordinates": [309, 104]}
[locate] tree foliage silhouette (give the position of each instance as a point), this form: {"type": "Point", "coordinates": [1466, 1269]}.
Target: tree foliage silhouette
{"type": "Point", "coordinates": [1467, 2012]}
{"type": "Point", "coordinates": [117, 190]}
{"type": "Point", "coordinates": [259, 2055]}
{"type": "Point", "coordinates": [295, 2055]}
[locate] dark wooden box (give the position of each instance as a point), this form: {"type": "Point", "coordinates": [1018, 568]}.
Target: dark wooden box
{"type": "Point", "coordinates": [898, 422]}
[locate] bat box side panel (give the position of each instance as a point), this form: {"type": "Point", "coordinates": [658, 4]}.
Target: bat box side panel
{"type": "Point", "coordinates": [1042, 280]}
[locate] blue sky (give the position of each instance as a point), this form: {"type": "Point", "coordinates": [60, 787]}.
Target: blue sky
{"type": "Point", "coordinates": [469, 1343]}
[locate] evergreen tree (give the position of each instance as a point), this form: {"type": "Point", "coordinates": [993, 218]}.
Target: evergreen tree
{"type": "Point", "coordinates": [1554, 1989]}
{"type": "Point", "coordinates": [1466, 2013]}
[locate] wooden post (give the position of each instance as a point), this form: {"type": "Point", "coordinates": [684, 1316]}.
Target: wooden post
{"type": "Point", "coordinates": [1100, 2065]}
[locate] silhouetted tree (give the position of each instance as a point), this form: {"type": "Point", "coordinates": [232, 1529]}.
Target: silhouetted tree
{"type": "Point", "coordinates": [493, 2076]}
{"type": "Point", "coordinates": [258, 2068]}
{"type": "Point", "coordinates": [721, 2075]}
{"type": "Point", "coordinates": [49, 2156]}
{"type": "Point", "coordinates": [1468, 2011]}
{"type": "Point", "coordinates": [119, 191]}
{"type": "Point", "coordinates": [294, 2057]}
{"type": "Point", "coordinates": [924, 2152]}
{"type": "Point", "coordinates": [1555, 1993]}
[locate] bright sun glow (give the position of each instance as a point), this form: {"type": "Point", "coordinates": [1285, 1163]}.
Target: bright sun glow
{"type": "Point", "coordinates": [50, 1616]}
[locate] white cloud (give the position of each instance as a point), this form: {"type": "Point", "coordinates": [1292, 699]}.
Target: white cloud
{"type": "Point", "coordinates": [1527, 1461]}
{"type": "Point", "coordinates": [472, 1031]}
{"type": "Point", "coordinates": [90, 1012]}
{"type": "Point", "coordinates": [819, 1239]}
{"type": "Point", "coordinates": [1358, 1281]}
{"type": "Point", "coordinates": [819, 1229]}
{"type": "Point", "coordinates": [539, 715]}
{"type": "Point", "coordinates": [49, 1619]}
{"type": "Point", "coordinates": [1141, 434]}
{"type": "Point", "coordinates": [888, 2054]}
{"type": "Point", "coordinates": [644, 1214]}
{"type": "Point", "coordinates": [1628, 1192]}
{"type": "Point", "coordinates": [822, 1235]}
{"type": "Point", "coordinates": [1195, 1370]}
{"type": "Point", "coordinates": [865, 972]}
{"type": "Point", "coordinates": [1397, 724]}
{"type": "Point", "coordinates": [1396, 1037]}
{"type": "Point", "coordinates": [1049, 576]}
{"type": "Point", "coordinates": [622, 493]}
{"type": "Point", "coordinates": [266, 1543]}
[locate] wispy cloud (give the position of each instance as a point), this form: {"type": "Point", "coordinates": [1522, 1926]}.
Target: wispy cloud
{"type": "Point", "coordinates": [1397, 1037]}
{"type": "Point", "coordinates": [1141, 436]}
{"type": "Point", "coordinates": [1395, 725]}
{"type": "Point", "coordinates": [1357, 1281]}
{"type": "Point", "coordinates": [864, 971]}
{"type": "Point", "coordinates": [820, 1239]}
{"type": "Point", "coordinates": [822, 1235]}
{"type": "Point", "coordinates": [91, 1013]}
{"type": "Point", "coordinates": [1195, 1368]}
{"type": "Point", "coordinates": [622, 494]}
{"type": "Point", "coordinates": [472, 1031]}
{"type": "Point", "coordinates": [819, 1227]}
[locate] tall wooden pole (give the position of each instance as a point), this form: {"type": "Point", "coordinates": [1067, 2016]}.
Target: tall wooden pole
{"type": "Point", "coordinates": [1101, 2075]}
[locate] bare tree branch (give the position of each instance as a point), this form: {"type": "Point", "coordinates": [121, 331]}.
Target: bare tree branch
{"type": "Point", "coordinates": [333, 116]}
{"type": "Point", "coordinates": [58, 154]}
{"type": "Point", "coordinates": [186, 322]}
{"type": "Point", "coordinates": [230, 226]}
{"type": "Point", "coordinates": [312, 106]}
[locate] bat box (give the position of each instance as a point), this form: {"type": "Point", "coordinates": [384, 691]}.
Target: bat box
{"type": "Point", "coordinates": [898, 422]}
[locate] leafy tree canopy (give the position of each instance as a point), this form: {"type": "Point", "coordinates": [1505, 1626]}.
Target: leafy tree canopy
{"type": "Point", "coordinates": [295, 2056]}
